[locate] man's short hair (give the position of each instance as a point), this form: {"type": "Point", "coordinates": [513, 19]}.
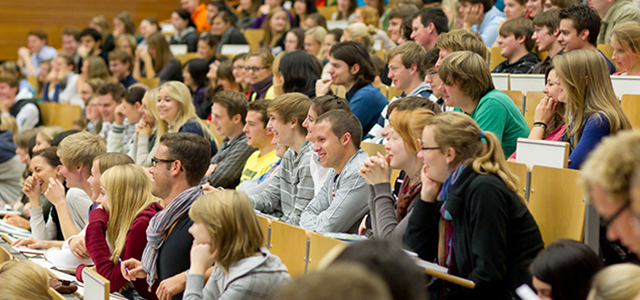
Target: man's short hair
{"type": "Point", "coordinates": [487, 4]}
{"type": "Point", "coordinates": [561, 4]}
{"type": "Point", "coordinates": [343, 122]}
{"type": "Point", "coordinates": [121, 56]}
{"type": "Point", "coordinates": [12, 82]}
{"type": "Point", "coordinates": [260, 106]}
{"type": "Point", "coordinates": [431, 58]}
{"type": "Point", "coordinates": [75, 32]}
{"type": "Point", "coordinates": [412, 53]}
{"type": "Point", "coordinates": [352, 53]}
{"type": "Point", "coordinates": [469, 71]}
{"type": "Point", "coordinates": [80, 149]}
{"type": "Point", "coordinates": [91, 32]}
{"type": "Point", "coordinates": [234, 102]}
{"type": "Point", "coordinates": [519, 27]}
{"type": "Point", "coordinates": [463, 40]}
{"type": "Point", "coordinates": [291, 106]}
{"type": "Point", "coordinates": [41, 34]}
{"type": "Point", "coordinates": [413, 103]}
{"type": "Point", "coordinates": [583, 17]}
{"type": "Point", "coordinates": [115, 89]}
{"type": "Point", "coordinates": [549, 19]}
{"type": "Point", "coordinates": [401, 12]}
{"type": "Point", "coordinates": [192, 150]}
{"type": "Point", "coordinates": [433, 15]}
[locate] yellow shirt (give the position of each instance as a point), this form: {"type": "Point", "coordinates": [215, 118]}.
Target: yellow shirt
{"type": "Point", "coordinates": [257, 165]}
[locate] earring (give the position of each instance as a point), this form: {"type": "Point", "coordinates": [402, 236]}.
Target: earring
{"type": "Point", "coordinates": [447, 168]}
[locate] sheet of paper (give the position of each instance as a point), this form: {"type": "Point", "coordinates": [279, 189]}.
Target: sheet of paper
{"type": "Point", "coordinates": [7, 228]}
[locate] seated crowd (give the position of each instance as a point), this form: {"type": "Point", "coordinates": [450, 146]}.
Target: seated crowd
{"type": "Point", "coordinates": [158, 189]}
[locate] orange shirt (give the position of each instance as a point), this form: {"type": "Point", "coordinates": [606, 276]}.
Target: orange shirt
{"type": "Point", "coordinates": [199, 17]}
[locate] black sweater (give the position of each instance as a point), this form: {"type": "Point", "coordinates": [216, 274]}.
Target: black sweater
{"type": "Point", "coordinates": [494, 236]}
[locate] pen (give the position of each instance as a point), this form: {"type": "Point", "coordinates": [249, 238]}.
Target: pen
{"type": "Point", "coordinates": [120, 260]}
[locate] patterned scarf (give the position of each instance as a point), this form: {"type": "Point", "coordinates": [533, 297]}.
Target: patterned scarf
{"type": "Point", "coordinates": [406, 196]}
{"type": "Point", "coordinates": [445, 240]}
{"type": "Point", "coordinates": [159, 225]}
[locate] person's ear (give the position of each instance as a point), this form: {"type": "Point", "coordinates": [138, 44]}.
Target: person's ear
{"type": "Point", "coordinates": [520, 39]}
{"type": "Point", "coordinates": [346, 139]}
{"type": "Point", "coordinates": [413, 69]}
{"type": "Point", "coordinates": [354, 69]}
{"type": "Point", "coordinates": [556, 32]}
{"type": "Point", "coordinates": [450, 155]}
{"type": "Point", "coordinates": [237, 119]}
{"type": "Point", "coordinates": [584, 35]}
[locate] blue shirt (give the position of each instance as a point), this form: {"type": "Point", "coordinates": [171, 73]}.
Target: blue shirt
{"type": "Point", "coordinates": [47, 52]}
{"type": "Point", "coordinates": [595, 128]}
{"type": "Point", "coordinates": [366, 102]}
{"type": "Point", "coordinates": [128, 81]}
{"type": "Point", "coordinates": [489, 27]}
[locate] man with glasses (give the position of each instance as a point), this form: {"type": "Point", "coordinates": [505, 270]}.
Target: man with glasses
{"type": "Point", "coordinates": [606, 175]}
{"type": "Point", "coordinates": [177, 169]}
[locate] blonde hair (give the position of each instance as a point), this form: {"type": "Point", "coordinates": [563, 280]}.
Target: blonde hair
{"type": "Point", "coordinates": [9, 123]}
{"type": "Point", "coordinates": [24, 280]}
{"type": "Point", "coordinates": [370, 16]}
{"type": "Point", "coordinates": [81, 149]}
{"type": "Point", "coordinates": [617, 282]}
{"type": "Point", "coordinates": [108, 160]}
{"type": "Point", "coordinates": [589, 91]}
{"type": "Point", "coordinates": [179, 92]}
{"type": "Point", "coordinates": [409, 125]}
{"type": "Point", "coordinates": [97, 68]}
{"type": "Point", "coordinates": [101, 22]}
{"type": "Point", "coordinates": [129, 190]}
{"type": "Point", "coordinates": [461, 40]}
{"type": "Point", "coordinates": [363, 32]}
{"type": "Point", "coordinates": [611, 164]}
{"type": "Point", "coordinates": [271, 40]}
{"type": "Point", "coordinates": [461, 132]}
{"type": "Point", "coordinates": [232, 224]}
{"type": "Point", "coordinates": [628, 33]}
{"type": "Point", "coordinates": [49, 132]}
{"type": "Point", "coordinates": [129, 39]}
{"type": "Point", "coordinates": [276, 61]}
{"type": "Point", "coordinates": [291, 106]}
{"type": "Point", "coordinates": [151, 96]}
{"type": "Point", "coordinates": [318, 33]}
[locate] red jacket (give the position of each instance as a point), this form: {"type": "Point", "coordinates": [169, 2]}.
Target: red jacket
{"type": "Point", "coordinates": [96, 242]}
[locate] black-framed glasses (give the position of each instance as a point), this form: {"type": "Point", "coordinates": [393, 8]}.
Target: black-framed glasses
{"type": "Point", "coordinates": [154, 161]}
{"type": "Point", "coordinates": [429, 148]}
{"type": "Point", "coordinates": [254, 69]}
{"type": "Point", "coordinates": [607, 222]}
{"type": "Point", "coordinates": [432, 73]}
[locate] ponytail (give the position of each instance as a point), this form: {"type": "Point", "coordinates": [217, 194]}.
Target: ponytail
{"type": "Point", "coordinates": [461, 132]}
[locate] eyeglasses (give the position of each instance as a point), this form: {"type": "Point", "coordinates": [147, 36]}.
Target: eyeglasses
{"type": "Point", "coordinates": [426, 148]}
{"type": "Point", "coordinates": [607, 222]}
{"type": "Point", "coordinates": [432, 73]}
{"type": "Point", "coordinates": [254, 69]}
{"type": "Point", "coordinates": [237, 68]}
{"type": "Point", "coordinates": [154, 161]}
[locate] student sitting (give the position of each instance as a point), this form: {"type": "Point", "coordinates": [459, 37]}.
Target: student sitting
{"type": "Point", "coordinates": [617, 282]}
{"type": "Point", "coordinates": [120, 65]}
{"type": "Point", "coordinates": [488, 234]}
{"type": "Point", "coordinates": [593, 111]}
{"type": "Point", "coordinates": [117, 228]}
{"type": "Point", "coordinates": [258, 137]}
{"type": "Point", "coordinates": [38, 51]}
{"type": "Point", "coordinates": [224, 25]}
{"type": "Point", "coordinates": [18, 105]}
{"type": "Point", "coordinates": [158, 60]}
{"type": "Point", "coordinates": [25, 280]}
{"type": "Point", "coordinates": [195, 78]}
{"type": "Point", "coordinates": [482, 17]}
{"type": "Point", "coordinates": [144, 143]}
{"type": "Point", "coordinates": [355, 73]}
{"type": "Point", "coordinates": [341, 203]}
{"type": "Point", "coordinates": [516, 45]}
{"type": "Point", "coordinates": [292, 186]}
{"type": "Point", "coordinates": [626, 47]}
{"type": "Point", "coordinates": [467, 85]}
{"type": "Point", "coordinates": [226, 235]}
{"type": "Point", "coordinates": [73, 251]}
{"type": "Point", "coordinates": [545, 34]}
{"type": "Point", "coordinates": [228, 116]}
{"type": "Point", "coordinates": [257, 67]}
{"type": "Point", "coordinates": [127, 115]}
{"type": "Point", "coordinates": [564, 270]}
{"type": "Point", "coordinates": [185, 33]}
{"type": "Point", "coordinates": [275, 28]}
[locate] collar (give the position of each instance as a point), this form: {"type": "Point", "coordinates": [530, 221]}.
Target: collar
{"type": "Point", "coordinates": [609, 16]}
{"type": "Point", "coordinates": [354, 89]}
{"type": "Point", "coordinates": [262, 87]}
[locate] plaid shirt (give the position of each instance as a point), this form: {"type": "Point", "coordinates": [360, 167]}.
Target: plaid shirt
{"type": "Point", "coordinates": [230, 160]}
{"type": "Point", "coordinates": [291, 188]}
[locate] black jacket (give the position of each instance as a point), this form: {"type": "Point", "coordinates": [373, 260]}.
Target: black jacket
{"type": "Point", "coordinates": [494, 236]}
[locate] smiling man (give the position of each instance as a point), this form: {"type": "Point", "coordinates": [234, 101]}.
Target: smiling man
{"type": "Point", "coordinates": [109, 96]}
{"type": "Point", "coordinates": [228, 116]}
{"type": "Point", "coordinates": [516, 44]}
{"type": "Point", "coordinates": [37, 50]}
{"type": "Point", "coordinates": [258, 136]}
{"type": "Point", "coordinates": [291, 188]}
{"type": "Point", "coordinates": [579, 28]}
{"type": "Point", "coordinates": [342, 200]}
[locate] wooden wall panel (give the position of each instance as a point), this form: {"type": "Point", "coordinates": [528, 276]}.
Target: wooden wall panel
{"type": "Point", "coordinates": [18, 17]}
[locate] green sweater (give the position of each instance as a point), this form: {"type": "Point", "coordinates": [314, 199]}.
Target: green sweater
{"type": "Point", "coordinates": [496, 112]}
